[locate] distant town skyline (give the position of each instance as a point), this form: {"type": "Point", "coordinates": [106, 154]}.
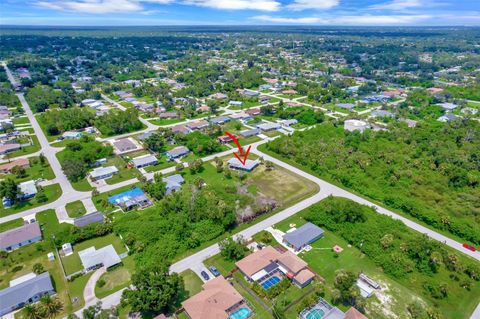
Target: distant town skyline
{"type": "Point", "coordinates": [241, 12]}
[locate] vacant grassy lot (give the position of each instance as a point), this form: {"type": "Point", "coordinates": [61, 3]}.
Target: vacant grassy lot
{"type": "Point", "coordinates": [193, 283]}
{"type": "Point", "coordinates": [124, 172]}
{"type": "Point", "coordinates": [75, 209]}
{"type": "Point", "coordinates": [117, 278]}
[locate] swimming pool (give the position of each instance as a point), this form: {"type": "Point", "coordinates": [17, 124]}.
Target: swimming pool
{"type": "Point", "coordinates": [241, 313]}
{"type": "Point", "coordinates": [315, 314]}
{"type": "Point", "coordinates": [272, 281]}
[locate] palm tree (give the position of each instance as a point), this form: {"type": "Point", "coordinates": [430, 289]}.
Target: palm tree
{"type": "Point", "coordinates": [34, 312]}
{"type": "Point", "coordinates": [52, 306]}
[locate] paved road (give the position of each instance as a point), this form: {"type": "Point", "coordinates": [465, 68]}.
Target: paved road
{"type": "Point", "coordinates": [476, 313]}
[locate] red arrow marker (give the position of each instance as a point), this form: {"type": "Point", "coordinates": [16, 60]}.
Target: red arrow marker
{"type": "Point", "coordinates": [241, 157]}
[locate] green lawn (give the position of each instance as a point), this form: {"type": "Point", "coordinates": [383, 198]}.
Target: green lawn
{"type": "Point", "coordinates": [162, 164]}
{"type": "Point", "coordinates": [124, 173]}
{"type": "Point", "coordinates": [73, 263]}
{"type": "Point", "coordinates": [53, 192]}
{"type": "Point", "coordinates": [193, 283]}
{"type": "Point", "coordinates": [82, 185]}
{"type": "Point", "coordinates": [166, 121]}
{"type": "Point", "coordinates": [20, 120]}
{"type": "Point", "coordinates": [35, 147]}
{"type": "Point", "coordinates": [117, 278]}
{"type": "Point", "coordinates": [11, 224]}
{"type": "Point", "coordinates": [75, 209]}
{"type": "Point", "coordinates": [272, 133]}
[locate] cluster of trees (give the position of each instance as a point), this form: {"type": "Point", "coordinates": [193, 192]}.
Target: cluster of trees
{"type": "Point", "coordinates": [79, 156]}
{"type": "Point", "coordinates": [198, 143]}
{"type": "Point", "coordinates": [49, 307]}
{"type": "Point", "coordinates": [156, 188]}
{"type": "Point", "coordinates": [413, 170]}
{"type": "Point", "coordinates": [402, 253]}
{"type": "Point", "coordinates": [43, 97]}
{"type": "Point", "coordinates": [301, 114]}
{"type": "Point", "coordinates": [73, 234]}
{"type": "Point", "coordinates": [233, 250]}
{"type": "Point", "coordinates": [116, 122]}
{"type": "Point", "coordinates": [58, 121]}
{"type": "Point", "coordinates": [9, 190]}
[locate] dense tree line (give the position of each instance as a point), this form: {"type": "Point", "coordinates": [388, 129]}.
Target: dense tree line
{"type": "Point", "coordinates": [58, 121]}
{"type": "Point", "coordinates": [431, 172]}
{"type": "Point", "coordinates": [116, 122]}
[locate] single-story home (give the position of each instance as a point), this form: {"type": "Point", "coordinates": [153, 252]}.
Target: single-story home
{"type": "Point", "coordinates": [253, 112]}
{"type": "Point", "coordinates": [224, 139]}
{"type": "Point", "coordinates": [129, 199]}
{"type": "Point", "coordinates": [345, 106]}
{"type": "Point", "coordinates": [268, 263]}
{"type": "Point", "coordinates": [28, 190]}
{"type": "Point", "coordinates": [124, 145]}
{"type": "Point", "coordinates": [9, 147]}
{"type": "Point", "coordinates": [103, 172]}
{"type": "Point", "coordinates": [218, 299]}
{"type": "Point", "coordinates": [251, 93]}
{"type": "Point", "coordinates": [235, 103]}
{"type": "Point", "coordinates": [71, 135]}
{"type": "Point", "coordinates": [144, 160]}
{"type": "Point", "coordinates": [252, 132]}
{"type": "Point", "coordinates": [25, 292]}
{"type": "Point", "coordinates": [220, 120]}
{"type": "Point", "coordinates": [95, 258]}
{"type": "Point", "coordinates": [142, 137]}
{"type": "Point", "coordinates": [88, 219]}
{"type": "Point", "coordinates": [288, 123]}
{"type": "Point", "coordinates": [448, 106]}
{"type": "Point", "coordinates": [177, 152]}
{"type": "Point", "coordinates": [197, 125]}
{"type": "Point", "coordinates": [168, 115]}
{"type": "Point", "coordinates": [242, 116]}
{"type": "Point", "coordinates": [7, 167]}
{"type": "Point", "coordinates": [174, 183]}
{"type": "Point", "coordinates": [180, 129]}
{"type": "Point", "coordinates": [447, 117]}
{"type": "Point", "coordinates": [19, 237]}
{"type": "Point", "coordinates": [269, 126]}
{"type": "Point", "coordinates": [302, 236]}
{"type": "Point", "coordinates": [248, 167]}
{"type": "Point", "coordinates": [382, 113]}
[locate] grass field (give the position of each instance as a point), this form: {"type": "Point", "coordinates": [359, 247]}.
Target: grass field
{"type": "Point", "coordinates": [35, 171]}
{"type": "Point", "coordinates": [82, 185]}
{"type": "Point", "coordinates": [117, 278]}
{"type": "Point", "coordinates": [124, 173]}
{"type": "Point", "coordinates": [166, 121]}
{"type": "Point", "coordinates": [75, 209]}
{"type": "Point", "coordinates": [53, 192]}
{"type": "Point", "coordinates": [20, 120]}
{"type": "Point", "coordinates": [11, 224]}
{"type": "Point", "coordinates": [193, 283]}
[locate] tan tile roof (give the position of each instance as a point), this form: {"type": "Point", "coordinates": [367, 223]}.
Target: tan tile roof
{"type": "Point", "coordinates": [353, 313]}
{"type": "Point", "coordinates": [213, 301]}
{"type": "Point", "coordinates": [292, 261]}
{"type": "Point", "coordinates": [19, 162]}
{"type": "Point", "coordinates": [304, 275]}
{"type": "Point", "coordinates": [260, 259]}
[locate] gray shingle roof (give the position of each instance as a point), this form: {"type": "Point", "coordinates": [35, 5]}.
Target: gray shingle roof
{"type": "Point", "coordinates": [12, 296]}
{"type": "Point", "coordinates": [20, 234]}
{"type": "Point", "coordinates": [88, 219]}
{"type": "Point", "coordinates": [303, 235]}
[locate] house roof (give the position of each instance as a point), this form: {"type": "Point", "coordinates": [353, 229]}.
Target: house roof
{"type": "Point", "coordinates": [107, 256]}
{"type": "Point", "coordinates": [268, 126]}
{"type": "Point", "coordinates": [197, 124]}
{"type": "Point", "coordinates": [9, 147]}
{"type": "Point", "coordinates": [213, 301]}
{"type": "Point", "coordinates": [180, 129]}
{"type": "Point", "coordinates": [124, 144]}
{"type": "Point", "coordinates": [303, 235]}
{"type": "Point", "coordinates": [304, 275]}
{"type": "Point", "coordinates": [180, 150]}
{"type": "Point", "coordinates": [102, 171]}
{"type": "Point", "coordinates": [12, 296]}
{"type": "Point", "coordinates": [292, 261]}
{"type": "Point", "coordinates": [88, 219]}
{"type": "Point", "coordinates": [19, 162]}
{"type": "Point", "coordinates": [258, 260]}
{"type": "Point", "coordinates": [249, 164]}
{"type": "Point", "coordinates": [251, 132]}
{"type": "Point", "coordinates": [144, 160]}
{"type": "Point", "coordinates": [173, 182]}
{"type": "Point", "coordinates": [219, 119]}
{"type": "Point", "coordinates": [353, 313]}
{"type": "Point", "coordinates": [19, 234]}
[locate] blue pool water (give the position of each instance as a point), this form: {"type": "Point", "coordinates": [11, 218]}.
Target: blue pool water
{"type": "Point", "coordinates": [241, 313]}
{"type": "Point", "coordinates": [315, 314]}
{"type": "Point", "coordinates": [272, 281]}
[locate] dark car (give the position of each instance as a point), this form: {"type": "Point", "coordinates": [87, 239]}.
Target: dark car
{"type": "Point", "coordinates": [205, 275]}
{"type": "Point", "coordinates": [214, 271]}
{"type": "Point", "coordinates": [469, 247]}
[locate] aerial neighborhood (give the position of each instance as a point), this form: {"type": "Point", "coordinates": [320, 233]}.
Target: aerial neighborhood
{"type": "Point", "coordinates": [239, 173]}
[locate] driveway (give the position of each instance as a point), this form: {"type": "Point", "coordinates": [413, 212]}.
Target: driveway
{"type": "Point", "coordinates": [89, 291]}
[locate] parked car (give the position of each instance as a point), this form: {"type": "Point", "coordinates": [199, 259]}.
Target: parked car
{"type": "Point", "coordinates": [214, 271]}
{"type": "Point", "coordinates": [205, 275]}
{"type": "Point", "coordinates": [469, 247]}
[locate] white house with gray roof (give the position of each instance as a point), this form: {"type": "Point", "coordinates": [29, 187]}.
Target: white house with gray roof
{"type": "Point", "coordinates": [103, 172]}
{"type": "Point", "coordinates": [25, 292]}
{"type": "Point", "coordinates": [144, 160]}
{"type": "Point", "coordinates": [19, 237]}
{"type": "Point", "coordinates": [247, 167]}
{"type": "Point", "coordinates": [302, 236]}
{"type": "Point", "coordinates": [94, 258]}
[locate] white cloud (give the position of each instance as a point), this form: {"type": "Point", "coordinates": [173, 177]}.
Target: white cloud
{"type": "Point", "coordinates": [262, 5]}
{"type": "Point", "coordinates": [367, 20]}
{"type": "Point", "coordinates": [313, 4]}
{"type": "Point", "coordinates": [92, 6]}
{"type": "Point", "coordinates": [401, 4]}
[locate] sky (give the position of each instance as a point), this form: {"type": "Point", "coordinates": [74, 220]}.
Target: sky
{"type": "Point", "coordinates": [241, 12]}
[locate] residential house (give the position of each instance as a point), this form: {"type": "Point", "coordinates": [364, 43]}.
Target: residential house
{"type": "Point", "coordinates": [302, 236]}
{"type": "Point", "coordinates": [103, 173]}
{"type": "Point", "coordinates": [224, 139]}
{"type": "Point", "coordinates": [144, 160]}
{"type": "Point", "coordinates": [220, 120]}
{"type": "Point", "coordinates": [124, 145]}
{"type": "Point", "coordinates": [7, 167]}
{"type": "Point", "coordinates": [241, 116]}
{"type": "Point", "coordinates": [19, 237]}
{"type": "Point", "coordinates": [346, 106]}
{"type": "Point", "coordinates": [250, 93]}
{"type": "Point", "coordinates": [382, 113]}
{"type": "Point", "coordinates": [180, 129]}
{"type": "Point", "coordinates": [448, 106]}
{"type": "Point", "coordinates": [130, 199]}
{"type": "Point", "coordinates": [217, 300]}
{"type": "Point", "coordinates": [252, 132]}
{"type": "Point", "coordinates": [169, 115]}
{"type": "Point", "coordinates": [447, 117]}
{"type": "Point", "coordinates": [197, 125]}
{"type": "Point", "coordinates": [247, 167]}
{"type": "Point", "coordinates": [253, 112]}
{"type": "Point", "coordinates": [28, 190]}
{"type": "Point", "coordinates": [235, 103]}
{"type": "Point", "coordinates": [9, 147]}
{"type": "Point", "coordinates": [142, 137]}
{"type": "Point", "coordinates": [355, 125]}
{"type": "Point", "coordinates": [267, 263]}
{"type": "Point", "coordinates": [25, 292]}
{"type": "Point", "coordinates": [288, 123]}
{"type": "Point", "coordinates": [173, 183]}
{"type": "Point", "coordinates": [268, 126]}
{"type": "Point", "coordinates": [177, 152]}
{"type": "Point", "coordinates": [70, 135]}
{"type": "Point", "coordinates": [95, 258]}
{"type": "Point", "coordinates": [88, 219]}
